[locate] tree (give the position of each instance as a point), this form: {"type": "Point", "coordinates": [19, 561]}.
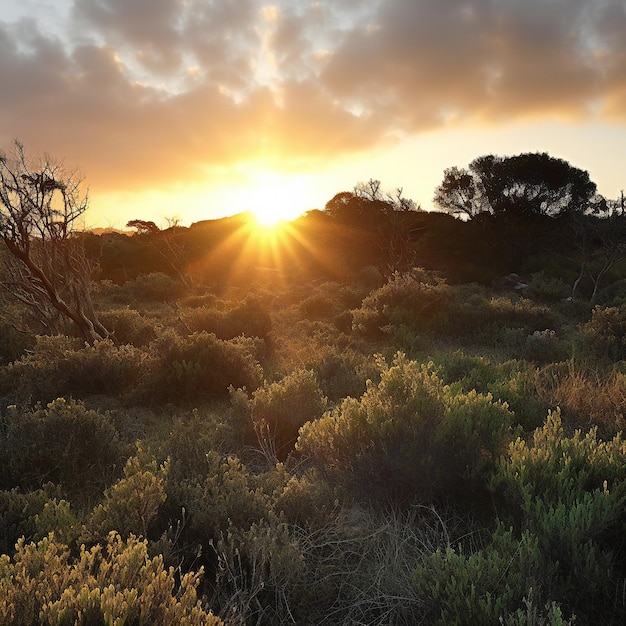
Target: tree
{"type": "Point", "coordinates": [514, 202]}
{"type": "Point", "coordinates": [386, 220]}
{"type": "Point", "coordinates": [143, 227]}
{"type": "Point", "coordinates": [46, 270]}
{"type": "Point", "coordinates": [527, 184]}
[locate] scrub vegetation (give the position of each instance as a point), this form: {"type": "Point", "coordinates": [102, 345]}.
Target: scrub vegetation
{"type": "Point", "coordinates": [374, 415]}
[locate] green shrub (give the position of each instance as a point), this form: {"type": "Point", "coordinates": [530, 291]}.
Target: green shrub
{"type": "Point", "coordinates": [547, 289]}
{"type": "Point", "coordinates": [249, 317]}
{"type": "Point", "coordinates": [340, 373]}
{"type": "Point", "coordinates": [18, 513]}
{"type": "Point", "coordinates": [407, 437]}
{"type": "Point", "coordinates": [409, 299]}
{"type": "Point", "coordinates": [60, 366]}
{"type": "Point", "coordinates": [481, 586]}
{"type": "Point", "coordinates": [604, 336]}
{"type": "Point", "coordinates": [543, 346]}
{"type": "Point", "coordinates": [43, 584]}
{"type": "Point", "coordinates": [64, 443]}
{"type": "Point", "coordinates": [129, 326]}
{"type": "Point", "coordinates": [13, 343]}
{"type": "Point", "coordinates": [154, 287]}
{"type": "Point", "coordinates": [570, 493]}
{"type": "Point", "coordinates": [201, 365]}
{"type": "Point", "coordinates": [279, 409]}
{"type": "Point", "coordinates": [131, 504]}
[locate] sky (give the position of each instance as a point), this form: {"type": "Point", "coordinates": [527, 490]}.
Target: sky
{"type": "Point", "coordinates": [197, 109]}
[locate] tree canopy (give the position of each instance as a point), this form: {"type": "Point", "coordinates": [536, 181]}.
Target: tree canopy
{"type": "Point", "coordinates": [525, 185]}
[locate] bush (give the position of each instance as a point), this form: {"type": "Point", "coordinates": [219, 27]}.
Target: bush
{"type": "Point", "coordinates": [279, 409]}
{"type": "Point", "coordinates": [482, 586]}
{"type": "Point", "coordinates": [131, 504]}
{"type": "Point", "coordinates": [199, 366]}
{"type": "Point", "coordinates": [60, 366]}
{"type": "Point", "coordinates": [570, 493]}
{"type": "Point", "coordinates": [249, 317]}
{"type": "Point", "coordinates": [43, 584]}
{"type": "Point", "coordinates": [340, 373]}
{"type": "Point", "coordinates": [409, 299]}
{"type": "Point", "coordinates": [604, 336]}
{"type": "Point", "coordinates": [407, 437]}
{"type": "Point", "coordinates": [154, 287]}
{"type": "Point", "coordinates": [129, 326]}
{"type": "Point", "coordinates": [63, 443]}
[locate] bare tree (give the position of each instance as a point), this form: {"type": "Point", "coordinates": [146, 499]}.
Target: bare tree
{"type": "Point", "coordinates": [46, 270]}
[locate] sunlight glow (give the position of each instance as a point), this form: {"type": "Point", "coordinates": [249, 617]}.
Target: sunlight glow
{"type": "Point", "coordinates": [274, 198]}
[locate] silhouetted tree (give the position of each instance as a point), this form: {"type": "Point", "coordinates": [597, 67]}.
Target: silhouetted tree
{"type": "Point", "coordinates": [46, 270]}
{"type": "Point", "coordinates": [526, 184]}
{"type": "Point", "coordinates": [143, 227]}
{"type": "Point", "coordinates": [514, 201]}
{"type": "Point", "coordinates": [385, 222]}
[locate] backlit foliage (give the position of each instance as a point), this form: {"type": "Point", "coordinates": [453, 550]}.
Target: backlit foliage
{"type": "Point", "coordinates": [115, 584]}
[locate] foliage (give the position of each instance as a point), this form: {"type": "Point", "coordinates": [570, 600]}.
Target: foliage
{"type": "Point", "coordinates": [183, 368]}
{"type": "Point", "coordinates": [604, 335]}
{"type": "Point", "coordinates": [412, 299]}
{"type": "Point", "coordinates": [132, 503]}
{"type": "Point", "coordinates": [279, 409]}
{"type": "Point", "coordinates": [249, 317]}
{"type": "Point", "coordinates": [117, 584]}
{"type": "Point", "coordinates": [63, 443]}
{"type": "Point", "coordinates": [408, 436]}
{"type": "Point", "coordinates": [60, 366]}
{"type": "Point", "coordinates": [129, 326]}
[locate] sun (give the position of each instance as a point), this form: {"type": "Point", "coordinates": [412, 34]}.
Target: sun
{"type": "Point", "coordinates": [275, 199]}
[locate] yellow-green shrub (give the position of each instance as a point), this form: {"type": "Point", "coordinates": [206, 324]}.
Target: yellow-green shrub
{"type": "Point", "coordinates": [44, 585]}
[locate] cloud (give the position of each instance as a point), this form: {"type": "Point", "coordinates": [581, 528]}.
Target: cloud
{"type": "Point", "coordinates": [159, 91]}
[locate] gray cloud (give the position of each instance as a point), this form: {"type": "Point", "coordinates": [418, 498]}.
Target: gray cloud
{"type": "Point", "coordinates": [150, 91]}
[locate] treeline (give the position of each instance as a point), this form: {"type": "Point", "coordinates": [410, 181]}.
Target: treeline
{"type": "Point", "coordinates": [525, 214]}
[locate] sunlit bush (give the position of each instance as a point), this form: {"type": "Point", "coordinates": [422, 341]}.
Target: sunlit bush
{"type": "Point", "coordinates": [410, 299]}
{"type": "Point", "coordinates": [132, 503]}
{"type": "Point", "coordinates": [569, 492]}
{"type": "Point", "coordinates": [118, 584]}
{"type": "Point", "coordinates": [249, 317]}
{"type": "Point", "coordinates": [604, 336]}
{"type": "Point", "coordinates": [201, 365]}
{"type": "Point", "coordinates": [129, 326]}
{"type": "Point", "coordinates": [279, 409]}
{"type": "Point", "coordinates": [60, 366]}
{"type": "Point", "coordinates": [407, 437]}
{"type": "Point", "coordinates": [341, 373]}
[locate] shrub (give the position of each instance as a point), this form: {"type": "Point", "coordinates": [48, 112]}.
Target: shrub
{"type": "Point", "coordinates": [132, 503]}
{"type": "Point", "coordinates": [543, 346]}
{"type": "Point", "coordinates": [187, 368]}
{"type": "Point", "coordinates": [604, 336]}
{"type": "Point", "coordinates": [154, 287]}
{"type": "Point", "coordinates": [410, 299]}
{"type": "Point", "coordinates": [406, 437]}
{"type": "Point", "coordinates": [13, 343]}
{"type": "Point", "coordinates": [60, 366]}
{"type": "Point", "coordinates": [249, 317]}
{"type": "Point", "coordinates": [340, 373]}
{"type": "Point", "coordinates": [570, 492]}
{"type": "Point", "coordinates": [43, 584]}
{"type": "Point", "coordinates": [18, 513]}
{"type": "Point", "coordinates": [481, 586]}
{"type": "Point", "coordinates": [129, 326]}
{"type": "Point", "coordinates": [64, 443]}
{"type": "Point", "coordinates": [279, 409]}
